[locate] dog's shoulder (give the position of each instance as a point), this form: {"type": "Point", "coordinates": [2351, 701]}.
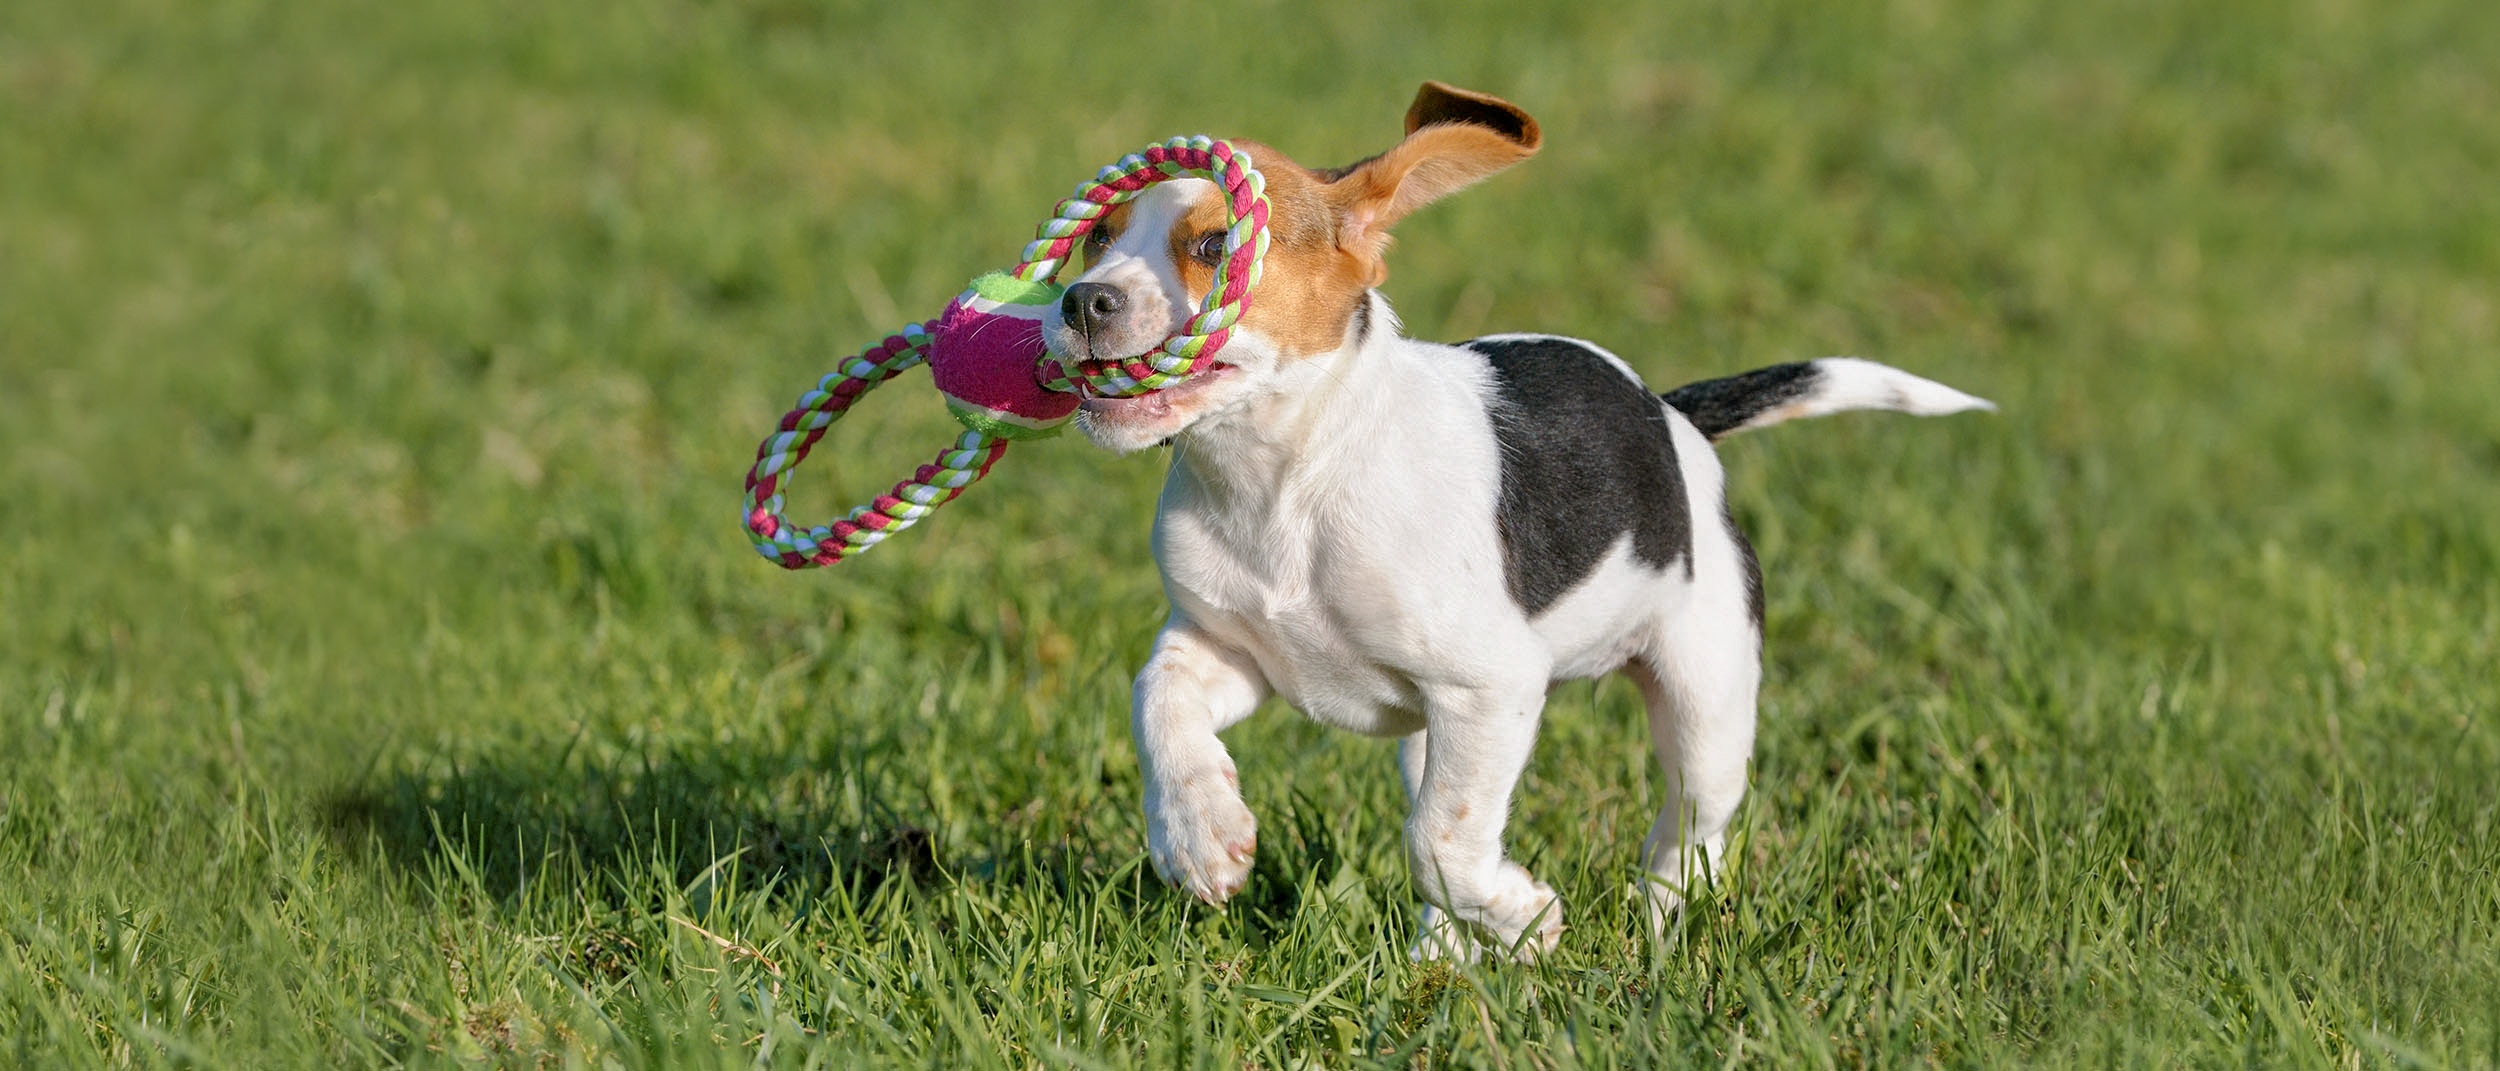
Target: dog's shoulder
{"type": "Point", "coordinates": [1588, 455]}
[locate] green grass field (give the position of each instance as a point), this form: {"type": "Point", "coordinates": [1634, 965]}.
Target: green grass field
{"type": "Point", "coordinates": [385, 681]}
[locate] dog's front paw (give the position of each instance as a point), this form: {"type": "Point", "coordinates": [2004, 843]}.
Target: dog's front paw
{"type": "Point", "coordinates": [1521, 918]}
{"type": "Point", "coordinates": [1533, 924]}
{"type": "Point", "coordinates": [1200, 835]}
{"type": "Point", "coordinates": [1523, 915]}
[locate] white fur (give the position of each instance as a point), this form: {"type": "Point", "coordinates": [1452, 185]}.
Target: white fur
{"type": "Point", "coordinates": [1327, 534]}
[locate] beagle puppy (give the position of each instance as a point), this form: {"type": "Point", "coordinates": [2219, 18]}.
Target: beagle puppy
{"type": "Point", "coordinates": [1416, 540]}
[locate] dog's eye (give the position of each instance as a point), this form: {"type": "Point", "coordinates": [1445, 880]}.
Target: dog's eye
{"type": "Point", "coordinates": [1099, 238]}
{"type": "Point", "coordinates": [1208, 249]}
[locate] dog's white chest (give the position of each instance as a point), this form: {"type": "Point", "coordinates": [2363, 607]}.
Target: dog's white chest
{"type": "Point", "coordinates": [1271, 592]}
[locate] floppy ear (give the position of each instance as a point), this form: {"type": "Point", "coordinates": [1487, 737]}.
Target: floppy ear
{"type": "Point", "coordinates": [1453, 138]}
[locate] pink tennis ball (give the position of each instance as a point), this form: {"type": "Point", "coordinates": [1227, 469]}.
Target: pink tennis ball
{"type": "Point", "coordinates": [984, 352]}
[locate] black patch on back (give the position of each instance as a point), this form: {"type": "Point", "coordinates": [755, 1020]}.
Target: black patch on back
{"type": "Point", "coordinates": [1753, 567]}
{"type": "Point", "coordinates": [1719, 406]}
{"type": "Point", "coordinates": [1587, 455]}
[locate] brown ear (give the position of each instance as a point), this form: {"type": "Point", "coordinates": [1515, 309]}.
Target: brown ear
{"type": "Point", "coordinates": [1453, 138]}
{"type": "Point", "coordinates": [1441, 102]}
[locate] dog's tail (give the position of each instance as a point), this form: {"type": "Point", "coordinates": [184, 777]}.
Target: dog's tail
{"type": "Point", "coordinates": [1784, 392]}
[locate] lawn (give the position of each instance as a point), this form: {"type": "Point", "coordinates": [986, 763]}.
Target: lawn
{"type": "Point", "coordinates": [385, 680]}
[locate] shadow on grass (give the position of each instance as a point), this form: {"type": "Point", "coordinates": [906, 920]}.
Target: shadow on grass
{"type": "Point", "coordinates": [626, 832]}
{"type": "Point", "coordinates": [620, 830]}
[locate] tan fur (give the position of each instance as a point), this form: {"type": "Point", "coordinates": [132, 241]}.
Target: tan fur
{"type": "Point", "coordinates": [1327, 232]}
{"type": "Point", "coordinates": [1454, 137]}
{"type": "Point", "coordinates": [1310, 287]}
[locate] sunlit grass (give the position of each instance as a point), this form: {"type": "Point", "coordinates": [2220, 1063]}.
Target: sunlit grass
{"type": "Point", "coordinates": [384, 679]}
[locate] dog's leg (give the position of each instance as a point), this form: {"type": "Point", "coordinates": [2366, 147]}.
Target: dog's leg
{"type": "Point", "coordinates": [1442, 937]}
{"type": "Point", "coordinates": [1199, 834]}
{"type": "Point", "coordinates": [1479, 742]}
{"type": "Point", "coordinates": [1700, 686]}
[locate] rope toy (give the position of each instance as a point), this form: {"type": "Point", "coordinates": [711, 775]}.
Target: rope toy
{"type": "Point", "coordinates": [986, 356]}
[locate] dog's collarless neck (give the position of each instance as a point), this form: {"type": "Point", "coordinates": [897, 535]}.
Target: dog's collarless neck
{"type": "Point", "coordinates": [1320, 401]}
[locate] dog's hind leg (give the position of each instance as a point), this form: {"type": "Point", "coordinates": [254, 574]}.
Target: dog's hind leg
{"type": "Point", "coordinates": [1699, 683]}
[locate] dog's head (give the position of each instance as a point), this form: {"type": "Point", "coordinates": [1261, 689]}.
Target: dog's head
{"type": "Point", "coordinates": [1149, 262]}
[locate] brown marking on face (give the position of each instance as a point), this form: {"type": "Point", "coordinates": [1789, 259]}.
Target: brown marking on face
{"type": "Point", "coordinates": [1454, 138]}
{"type": "Point", "coordinates": [1327, 230]}
{"type": "Point", "coordinates": [1310, 286]}
{"type": "Point", "coordinates": [1106, 230]}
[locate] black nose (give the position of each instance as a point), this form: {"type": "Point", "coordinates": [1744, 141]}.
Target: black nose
{"type": "Point", "coordinates": [1090, 306]}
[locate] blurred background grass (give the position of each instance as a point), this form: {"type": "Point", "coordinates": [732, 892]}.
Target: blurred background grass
{"type": "Point", "coordinates": [384, 678]}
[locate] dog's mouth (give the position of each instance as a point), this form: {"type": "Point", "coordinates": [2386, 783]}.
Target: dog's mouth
{"type": "Point", "coordinates": [1154, 405]}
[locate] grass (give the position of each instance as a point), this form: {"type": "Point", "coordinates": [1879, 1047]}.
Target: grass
{"type": "Point", "coordinates": [384, 680]}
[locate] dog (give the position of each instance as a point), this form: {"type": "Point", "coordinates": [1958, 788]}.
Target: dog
{"type": "Point", "coordinates": [1416, 540]}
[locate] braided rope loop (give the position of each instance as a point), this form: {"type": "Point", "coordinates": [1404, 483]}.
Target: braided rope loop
{"type": "Point", "coordinates": [1191, 349]}
{"type": "Point", "coordinates": [795, 547]}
